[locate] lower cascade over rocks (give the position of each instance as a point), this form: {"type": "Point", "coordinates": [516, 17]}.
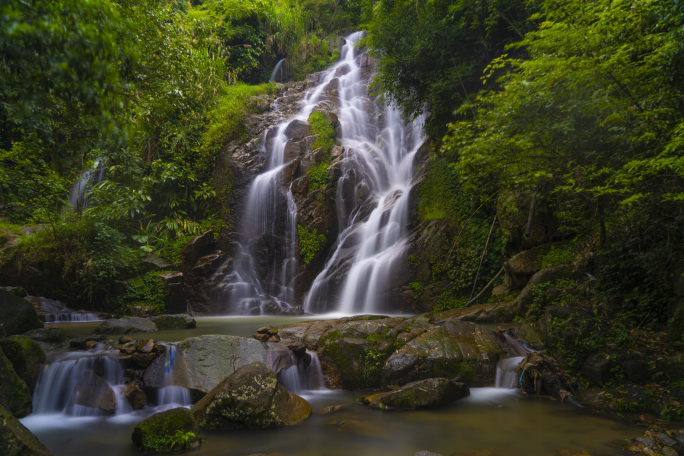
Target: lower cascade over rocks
{"type": "Point", "coordinates": [251, 398]}
{"type": "Point", "coordinates": [431, 392]}
{"type": "Point", "coordinates": [16, 440]}
{"type": "Point", "coordinates": [167, 431]}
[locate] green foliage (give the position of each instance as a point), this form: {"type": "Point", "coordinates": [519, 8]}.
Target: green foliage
{"type": "Point", "coordinates": [143, 295]}
{"type": "Point", "coordinates": [433, 52]}
{"type": "Point", "coordinates": [446, 301]}
{"type": "Point", "coordinates": [557, 255]}
{"type": "Point", "coordinates": [310, 243]}
{"type": "Point", "coordinates": [318, 176]}
{"type": "Point", "coordinates": [312, 54]}
{"type": "Point", "coordinates": [324, 130]}
{"type": "Point", "coordinates": [166, 443]}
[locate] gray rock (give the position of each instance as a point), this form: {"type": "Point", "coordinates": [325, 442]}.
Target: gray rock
{"type": "Point", "coordinates": [92, 391]}
{"type": "Point", "coordinates": [251, 398]}
{"type": "Point", "coordinates": [16, 440]}
{"type": "Point", "coordinates": [47, 335]}
{"type": "Point", "coordinates": [126, 325]}
{"type": "Point", "coordinates": [431, 392]}
{"type": "Point", "coordinates": [297, 130]}
{"type": "Point", "coordinates": [16, 315]}
{"type": "Point", "coordinates": [203, 362]}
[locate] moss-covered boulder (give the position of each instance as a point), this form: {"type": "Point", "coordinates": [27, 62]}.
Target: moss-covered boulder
{"type": "Point", "coordinates": [16, 315]}
{"type": "Point", "coordinates": [171, 430]}
{"type": "Point", "coordinates": [16, 440]}
{"type": "Point", "coordinates": [251, 398]}
{"type": "Point", "coordinates": [26, 357]}
{"type": "Point", "coordinates": [14, 393]}
{"type": "Point", "coordinates": [457, 350]}
{"type": "Point", "coordinates": [431, 392]}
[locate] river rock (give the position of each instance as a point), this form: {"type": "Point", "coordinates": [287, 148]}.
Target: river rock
{"type": "Point", "coordinates": [92, 391]}
{"type": "Point", "coordinates": [126, 325]}
{"type": "Point", "coordinates": [251, 398]}
{"type": "Point", "coordinates": [14, 393]}
{"type": "Point", "coordinates": [47, 335]}
{"type": "Point", "coordinates": [16, 315]}
{"type": "Point", "coordinates": [457, 350]}
{"type": "Point", "coordinates": [26, 357]}
{"type": "Point", "coordinates": [431, 392]}
{"type": "Point", "coordinates": [135, 396]}
{"type": "Point", "coordinates": [180, 321]}
{"type": "Point", "coordinates": [170, 430]}
{"type": "Point", "coordinates": [203, 362]}
{"type": "Point", "coordinates": [16, 440]}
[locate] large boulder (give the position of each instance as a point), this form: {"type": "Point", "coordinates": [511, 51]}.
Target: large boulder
{"type": "Point", "coordinates": [126, 325]}
{"type": "Point", "coordinates": [431, 392]}
{"type": "Point", "coordinates": [26, 357]}
{"type": "Point", "coordinates": [525, 298]}
{"type": "Point", "coordinates": [92, 391]}
{"type": "Point", "coordinates": [251, 398]}
{"type": "Point", "coordinates": [14, 394]}
{"type": "Point", "coordinates": [520, 268]}
{"type": "Point", "coordinates": [16, 440]}
{"type": "Point", "coordinates": [170, 430]}
{"type": "Point", "coordinates": [457, 350]}
{"type": "Point", "coordinates": [16, 315]}
{"type": "Point", "coordinates": [203, 362]}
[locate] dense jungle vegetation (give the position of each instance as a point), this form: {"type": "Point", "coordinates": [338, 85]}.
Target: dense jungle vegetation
{"type": "Point", "coordinates": [566, 111]}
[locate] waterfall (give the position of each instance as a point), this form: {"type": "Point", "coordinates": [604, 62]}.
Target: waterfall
{"type": "Point", "coordinates": [372, 198]}
{"type": "Point", "coordinates": [80, 386]}
{"type": "Point", "coordinates": [506, 376]}
{"type": "Point", "coordinates": [78, 198]}
{"type": "Point", "coordinates": [305, 374]}
{"type": "Point", "coordinates": [278, 75]}
{"type": "Point", "coordinates": [169, 395]}
{"type": "Point", "coordinates": [52, 311]}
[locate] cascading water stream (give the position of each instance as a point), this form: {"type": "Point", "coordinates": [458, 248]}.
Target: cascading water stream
{"type": "Point", "coordinates": [169, 395]}
{"type": "Point", "coordinates": [379, 152]}
{"type": "Point", "coordinates": [303, 375]}
{"type": "Point", "coordinates": [78, 198]}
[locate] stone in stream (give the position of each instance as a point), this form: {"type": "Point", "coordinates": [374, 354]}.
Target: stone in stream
{"type": "Point", "coordinates": [171, 430]}
{"type": "Point", "coordinates": [179, 321]}
{"type": "Point", "coordinates": [16, 440]}
{"type": "Point", "coordinates": [126, 325]}
{"type": "Point", "coordinates": [92, 391]}
{"type": "Point", "coordinates": [431, 392]}
{"type": "Point", "coordinates": [251, 398]}
{"type": "Point", "coordinates": [135, 396]}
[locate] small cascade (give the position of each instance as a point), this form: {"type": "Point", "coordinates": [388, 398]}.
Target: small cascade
{"type": "Point", "coordinates": [279, 73]}
{"type": "Point", "coordinates": [81, 386]}
{"type": "Point", "coordinates": [305, 374]}
{"type": "Point", "coordinates": [52, 311]}
{"type": "Point", "coordinates": [78, 197]}
{"type": "Point", "coordinates": [506, 376]}
{"type": "Point", "coordinates": [169, 395]}
{"type": "Point", "coordinates": [372, 198]}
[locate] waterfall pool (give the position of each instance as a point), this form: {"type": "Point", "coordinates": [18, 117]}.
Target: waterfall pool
{"type": "Point", "coordinates": [498, 420]}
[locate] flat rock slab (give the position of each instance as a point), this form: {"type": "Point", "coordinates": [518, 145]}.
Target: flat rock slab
{"type": "Point", "coordinates": [431, 392]}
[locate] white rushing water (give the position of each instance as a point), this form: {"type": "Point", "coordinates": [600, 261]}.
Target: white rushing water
{"type": "Point", "coordinates": [78, 194]}
{"type": "Point", "coordinates": [379, 152]}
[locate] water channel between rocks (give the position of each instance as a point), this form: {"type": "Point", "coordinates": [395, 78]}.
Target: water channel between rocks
{"type": "Point", "coordinates": [494, 419]}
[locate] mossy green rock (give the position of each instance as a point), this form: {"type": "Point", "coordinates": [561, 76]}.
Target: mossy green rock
{"type": "Point", "coordinates": [457, 350]}
{"type": "Point", "coordinates": [431, 392]}
{"type": "Point", "coordinates": [26, 356]}
{"type": "Point", "coordinates": [170, 430]}
{"type": "Point", "coordinates": [16, 315]}
{"type": "Point", "coordinates": [180, 321]}
{"type": "Point", "coordinates": [14, 393]}
{"type": "Point", "coordinates": [251, 398]}
{"type": "Point", "coordinates": [16, 440]}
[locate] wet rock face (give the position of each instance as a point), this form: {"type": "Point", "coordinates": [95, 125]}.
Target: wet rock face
{"type": "Point", "coordinates": [92, 391]}
{"type": "Point", "coordinates": [431, 392]}
{"type": "Point", "coordinates": [251, 398]}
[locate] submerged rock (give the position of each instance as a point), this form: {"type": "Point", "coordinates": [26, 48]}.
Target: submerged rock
{"type": "Point", "coordinates": [126, 325]}
{"type": "Point", "coordinates": [251, 398]}
{"type": "Point", "coordinates": [16, 440]}
{"type": "Point", "coordinates": [171, 430]}
{"type": "Point", "coordinates": [16, 315]}
{"type": "Point", "coordinates": [180, 321]}
{"type": "Point", "coordinates": [431, 392]}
